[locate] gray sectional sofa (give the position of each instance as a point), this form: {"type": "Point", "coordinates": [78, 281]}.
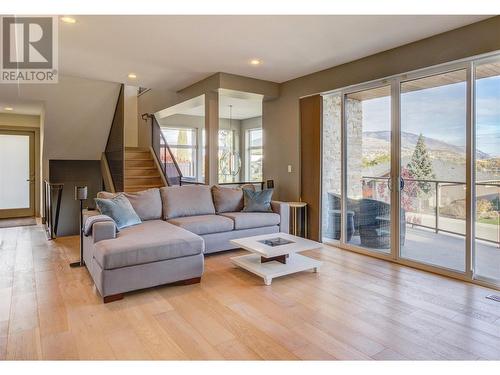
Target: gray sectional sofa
{"type": "Point", "coordinates": [179, 226]}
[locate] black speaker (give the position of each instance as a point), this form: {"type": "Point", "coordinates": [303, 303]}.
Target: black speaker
{"type": "Point", "coordinates": [270, 184]}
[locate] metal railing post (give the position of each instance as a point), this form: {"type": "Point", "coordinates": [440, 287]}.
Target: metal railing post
{"type": "Point", "coordinates": [498, 229]}
{"type": "Point", "coordinates": [437, 206]}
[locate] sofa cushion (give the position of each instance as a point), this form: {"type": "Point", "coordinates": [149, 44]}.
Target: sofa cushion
{"type": "Point", "coordinates": [204, 224]}
{"type": "Point", "coordinates": [146, 203]}
{"type": "Point", "coordinates": [257, 201]}
{"type": "Point", "coordinates": [119, 209]}
{"type": "Point", "coordinates": [151, 241]}
{"type": "Point", "coordinates": [246, 220]}
{"type": "Point", "coordinates": [227, 199]}
{"type": "Point", "coordinates": [180, 201]}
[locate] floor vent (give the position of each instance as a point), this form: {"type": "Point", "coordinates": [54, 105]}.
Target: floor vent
{"type": "Point", "coordinates": [494, 297]}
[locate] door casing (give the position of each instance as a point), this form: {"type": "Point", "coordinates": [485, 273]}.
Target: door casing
{"type": "Point", "coordinates": [30, 211]}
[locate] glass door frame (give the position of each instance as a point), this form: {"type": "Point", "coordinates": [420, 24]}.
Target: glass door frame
{"type": "Point", "coordinates": [469, 165]}
{"type": "Point", "coordinates": [343, 188]}
{"type": "Point", "coordinates": [469, 65]}
{"type": "Point", "coordinates": [477, 62]}
{"type": "Point", "coordinates": [29, 211]}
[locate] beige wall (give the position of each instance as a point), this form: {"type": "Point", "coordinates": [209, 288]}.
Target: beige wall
{"type": "Point", "coordinates": [281, 116]}
{"type": "Point", "coordinates": [130, 116]}
{"type": "Point", "coordinates": [76, 118]}
{"type": "Point", "coordinates": [151, 102]}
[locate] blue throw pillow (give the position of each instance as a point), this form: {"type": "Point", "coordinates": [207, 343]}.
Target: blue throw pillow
{"type": "Point", "coordinates": [257, 201]}
{"type": "Point", "coordinates": [119, 209]}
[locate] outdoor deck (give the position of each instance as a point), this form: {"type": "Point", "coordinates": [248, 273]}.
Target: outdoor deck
{"type": "Point", "coordinates": [447, 250]}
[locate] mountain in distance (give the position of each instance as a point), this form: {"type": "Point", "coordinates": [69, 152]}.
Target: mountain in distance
{"type": "Point", "coordinates": [409, 140]}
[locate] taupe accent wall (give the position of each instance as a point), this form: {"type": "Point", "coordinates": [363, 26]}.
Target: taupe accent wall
{"type": "Point", "coordinates": [282, 117]}
{"type": "Point", "coordinates": [75, 173]}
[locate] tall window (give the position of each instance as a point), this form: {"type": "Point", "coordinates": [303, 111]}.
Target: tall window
{"type": "Point", "coordinates": [229, 164]}
{"type": "Point", "coordinates": [182, 142]}
{"type": "Point", "coordinates": [254, 155]}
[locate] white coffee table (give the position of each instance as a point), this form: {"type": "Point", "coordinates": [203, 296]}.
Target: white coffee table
{"type": "Point", "coordinates": [269, 262]}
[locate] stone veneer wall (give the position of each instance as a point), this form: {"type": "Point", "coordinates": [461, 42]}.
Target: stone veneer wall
{"type": "Point", "coordinates": [331, 174]}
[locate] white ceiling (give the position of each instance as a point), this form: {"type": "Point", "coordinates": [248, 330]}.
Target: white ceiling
{"type": "Point", "coordinates": [241, 108]}
{"type": "Point", "coordinates": [171, 52]}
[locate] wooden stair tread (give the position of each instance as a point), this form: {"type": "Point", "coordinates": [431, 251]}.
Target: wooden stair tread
{"type": "Point", "coordinates": [141, 171]}
{"type": "Point", "coordinates": [137, 149]}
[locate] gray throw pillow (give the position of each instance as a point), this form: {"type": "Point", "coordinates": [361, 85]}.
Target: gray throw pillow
{"type": "Point", "coordinates": [188, 200]}
{"type": "Point", "coordinates": [257, 201]}
{"type": "Point", "coordinates": [227, 199]}
{"type": "Point", "coordinates": [119, 209]}
{"type": "Point", "coordinates": [146, 203]}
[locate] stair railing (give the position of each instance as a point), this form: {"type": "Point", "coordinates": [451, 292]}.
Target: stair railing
{"type": "Point", "coordinates": [164, 155]}
{"type": "Point", "coordinates": [51, 212]}
{"type": "Point", "coordinates": [115, 146]}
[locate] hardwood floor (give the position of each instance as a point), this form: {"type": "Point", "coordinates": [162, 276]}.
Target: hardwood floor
{"type": "Point", "coordinates": [357, 307]}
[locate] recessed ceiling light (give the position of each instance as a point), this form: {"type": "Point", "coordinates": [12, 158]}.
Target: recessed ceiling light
{"type": "Point", "coordinates": [255, 62]}
{"type": "Point", "coordinates": [8, 108]}
{"type": "Point", "coordinates": [132, 76]}
{"type": "Point", "coordinates": [67, 19]}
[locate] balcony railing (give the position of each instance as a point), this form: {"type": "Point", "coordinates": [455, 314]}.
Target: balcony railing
{"type": "Point", "coordinates": [440, 205]}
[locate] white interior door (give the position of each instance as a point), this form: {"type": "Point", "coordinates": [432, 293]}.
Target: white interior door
{"type": "Point", "coordinates": [16, 174]}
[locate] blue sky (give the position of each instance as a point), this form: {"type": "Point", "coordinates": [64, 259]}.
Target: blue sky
{"type": "Point", "coordinates": [440, 113]}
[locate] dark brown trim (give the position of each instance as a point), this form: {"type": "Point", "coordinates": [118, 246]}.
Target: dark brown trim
{"type": "Point", "coordinates": [112, 298]}
{"type": "Point", "coordinates": [310, 161]}
{"type": "Point", "coordinates": [194, 280]}
{"type": "Point", "coordinates": [279, 258]}
{"type": "Point", "coordinates": [119, 296]}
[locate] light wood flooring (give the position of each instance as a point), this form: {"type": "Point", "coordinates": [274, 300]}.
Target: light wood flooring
{"type": "Point", "coordinates": [356, 308]}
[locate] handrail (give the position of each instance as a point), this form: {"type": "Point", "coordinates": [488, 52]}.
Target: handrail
{"type": "Point", "coordinates": [115, 145]}
{"type": "Point", "coordinates": [482, 183]}
{"type": "Point", "coordinates": [438, 184]}
{"type": "Point", "coordinates": [51, 223]}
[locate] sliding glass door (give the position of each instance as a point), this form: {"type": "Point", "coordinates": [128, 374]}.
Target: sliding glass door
{"type": "Point", "coordinates": [411, 169]}
{"type": "Point", "coordinates": [367, 216]}
{"type": "Point", "coordinates": [487, 171]}
{"type": "Point", "coordinates": [433, 168]}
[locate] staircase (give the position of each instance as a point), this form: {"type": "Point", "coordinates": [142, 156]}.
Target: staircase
{"type": "Point", "coordinates": [141, 172]}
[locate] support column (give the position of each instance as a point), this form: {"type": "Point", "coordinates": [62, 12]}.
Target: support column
{"type": "Point", "coordinates": [212, 137]}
